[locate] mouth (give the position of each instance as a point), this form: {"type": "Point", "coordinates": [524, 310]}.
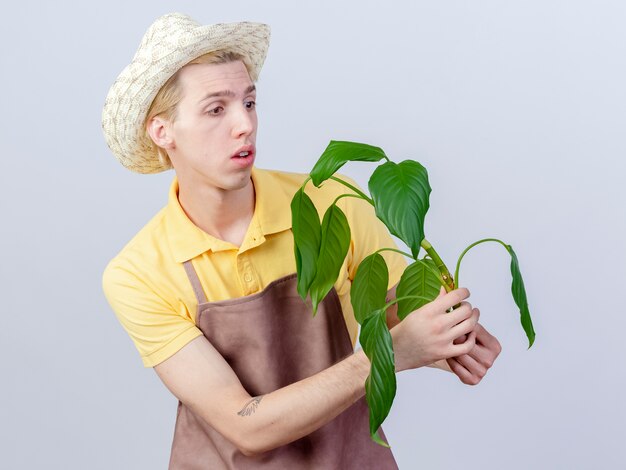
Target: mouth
{"type": "Point", "coordinates": [247, 151]}
{"type": "Point", "coordinates": [244, 156]}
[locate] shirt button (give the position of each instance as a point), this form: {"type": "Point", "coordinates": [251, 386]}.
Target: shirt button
{"type": "Point", "coordinates": [247, 277]}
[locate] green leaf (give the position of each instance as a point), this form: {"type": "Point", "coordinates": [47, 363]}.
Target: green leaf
{"type": "Point", "coordinates": [307, 234]}
{"type": "Point", "coordinates": [517, 286]}
{"type": "Point", "coordinates": [333, 249]}
{"type": "Point", "coordinates": [400, 193]}
{"type": "Point", "coordinates": [339, 152]}
{"type": "Point", "coordinates": [417, 279]}
{"type": "Point", "coordinates": [380, 386]}
{"type": "Point", "coordinates": [519, 295]}
{"type": "Point", "coordinates": [369, 288]}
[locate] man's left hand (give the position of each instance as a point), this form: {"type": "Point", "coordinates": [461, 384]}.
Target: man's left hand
{"type": "Point", "coordinates": [472, 367]}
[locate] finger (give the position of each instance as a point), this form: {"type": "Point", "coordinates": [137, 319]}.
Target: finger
{"type": "Point", "coordinates": [487, 339]}
{"type": "Point", "coordinates": [460, 339]}
{"type": "Point", "coordinates": [442, 292]}
{"type": "Point", "coordinates": [451, 298]}
{"type": "Point", "coordinates": [472, 365]}
{"type": "Point", "coordinates": [466, 347]}
{"type": "Point", "coordinates": [463, 328]}
{"type": "Point", "coordinates": [462, 313]}
{"type": "Point", "coordinates": [483, 355]}
{"type": "Point", "coordinates": [461, 372]}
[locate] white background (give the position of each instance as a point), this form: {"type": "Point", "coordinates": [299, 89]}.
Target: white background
{"type": "Point", "coordinates": [517, 109]}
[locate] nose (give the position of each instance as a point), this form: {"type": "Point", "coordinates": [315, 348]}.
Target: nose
{"type": "Point", "coordinates": [244, 121]}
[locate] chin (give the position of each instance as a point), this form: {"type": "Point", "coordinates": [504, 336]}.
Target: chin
{"type": "Point", "coordinates": [238, 183]}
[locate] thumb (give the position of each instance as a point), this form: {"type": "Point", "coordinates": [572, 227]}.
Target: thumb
{"type": "Point", "coordinates": [442, 292]}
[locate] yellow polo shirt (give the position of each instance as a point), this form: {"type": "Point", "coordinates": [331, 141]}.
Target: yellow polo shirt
{"type": "Point", "coordinates": [148, 289]}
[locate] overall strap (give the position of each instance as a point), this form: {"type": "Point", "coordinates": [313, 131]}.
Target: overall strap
{"type": "Point", "coordinates": [195, 282]}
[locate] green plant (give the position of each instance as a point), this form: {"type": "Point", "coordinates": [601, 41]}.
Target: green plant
{"type": "Point", "coordinates": [400, 195]}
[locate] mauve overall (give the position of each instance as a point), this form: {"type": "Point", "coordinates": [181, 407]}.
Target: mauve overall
{"type": "Point", "coordinates": [271, 340]}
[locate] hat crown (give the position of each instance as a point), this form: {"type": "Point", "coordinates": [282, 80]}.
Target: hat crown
{"type": "Point", "coordinates": [166, 28]}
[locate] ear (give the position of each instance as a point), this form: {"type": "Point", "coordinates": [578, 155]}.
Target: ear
{"type": "Point", "coordinates": [160, 132]}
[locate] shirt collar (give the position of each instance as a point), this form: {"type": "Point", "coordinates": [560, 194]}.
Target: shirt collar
{"type": "Point", "coordinates": [272, 214]}
{"type": "Point", "coordinates": [273, 201]}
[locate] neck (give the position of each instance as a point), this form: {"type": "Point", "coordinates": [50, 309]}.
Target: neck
{"type": "Point", "coordinates": [224, 214]}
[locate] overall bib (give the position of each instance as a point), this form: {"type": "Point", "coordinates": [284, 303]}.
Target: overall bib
{"type": "Point", "coordinates": [271, 339]}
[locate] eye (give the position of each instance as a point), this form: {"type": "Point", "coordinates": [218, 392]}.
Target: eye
{"type": "Point", "coordinates": [250, 104]}
{"type": "Point", "coordinates": [215, 111]}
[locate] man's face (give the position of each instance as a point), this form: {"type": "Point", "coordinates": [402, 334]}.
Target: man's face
{"type": "Point", "coordinates": [216, 118]}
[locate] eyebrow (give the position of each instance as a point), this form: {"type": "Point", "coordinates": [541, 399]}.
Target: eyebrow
{"type": "Point", "coordinates": [250, 89]}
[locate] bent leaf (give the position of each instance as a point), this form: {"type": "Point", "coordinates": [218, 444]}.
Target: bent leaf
{"type": "Point", "coordinates": [307, 234]}
{"type": "Point", "coordinates": [338, 153]}
{"type": "Point", "coordinates": [418, 279]}
{"type": "Point", "coordinates": [400, 193]}
{"type": "Point", "coordinates": [333, 249]}
{"type": "Point", "coordinates": [380, 386]}
{"type": "Point", "coordinates": [369, 288]}
{"type": "Point", "coordinates": [519, 295]}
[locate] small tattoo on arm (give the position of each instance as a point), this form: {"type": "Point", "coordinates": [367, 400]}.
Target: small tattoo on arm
{"type": "Point", "coordinates": [250, 407]}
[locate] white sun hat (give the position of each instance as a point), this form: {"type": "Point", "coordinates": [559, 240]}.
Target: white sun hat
{"type": "Point", "coordinates": [171, 42]}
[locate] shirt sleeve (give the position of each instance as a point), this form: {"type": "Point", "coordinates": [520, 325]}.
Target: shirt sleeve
{"type": "Point", "coordinates": [156, 328]}
{"type": "Point", "coordinates": [369, 234]}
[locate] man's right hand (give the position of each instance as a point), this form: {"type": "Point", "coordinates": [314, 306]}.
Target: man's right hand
{"type": "Point", "coordinates": [427, 335]}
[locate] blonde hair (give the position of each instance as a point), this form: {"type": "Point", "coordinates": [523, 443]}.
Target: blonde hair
{"type": "Point", "coordinates": [166, 101]}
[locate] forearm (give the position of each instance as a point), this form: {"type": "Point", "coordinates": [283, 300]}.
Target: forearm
{"type": "Point", "coordinates": [299, 409]}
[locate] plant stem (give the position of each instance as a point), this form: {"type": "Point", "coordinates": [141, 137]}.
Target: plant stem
{"type": "Point", "coordinates": [397, 299]}
{"type": "Point", "coordinates": [458, 263]}
{"type": "Point", "coordinates": [346, 195]}
{"type": "Point", "coordinates": [356, 190]}
{"type": "Point", "coordinates": [397, 251]}
{"type": "Point", "coordinates": [436, 272]}
{"type": "Point", "coordinates": [430, 268]}
{"type": "Point", "coordinates": [445, 273]}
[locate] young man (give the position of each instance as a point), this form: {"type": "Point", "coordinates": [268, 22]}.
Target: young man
{"type": "Point", "coordinates": [207, 289]}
